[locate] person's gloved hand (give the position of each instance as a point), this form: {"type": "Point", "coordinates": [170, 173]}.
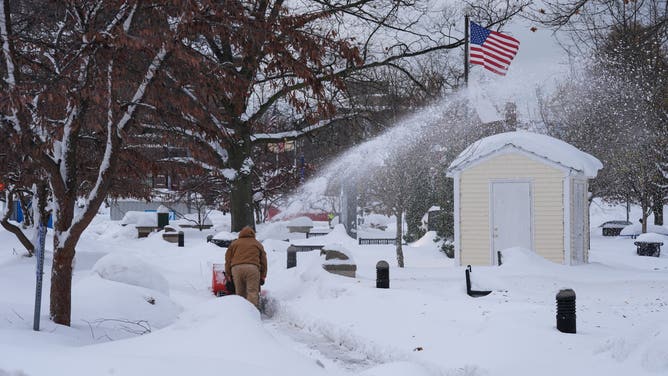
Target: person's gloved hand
{"type": "Point", "coordinates": [261, 281]}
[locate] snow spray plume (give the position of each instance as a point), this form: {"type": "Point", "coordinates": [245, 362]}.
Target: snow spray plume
{"type": "Point", "coordinates": [441, 129]}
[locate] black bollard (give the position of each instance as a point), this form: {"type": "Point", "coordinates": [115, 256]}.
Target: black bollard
{"type": "Point", "coordinates": [382, 275]}
{"type": "Point", "coordinates": [292, 259]}
{"type": "Point", "coordinates": [181, 239]}
{"type": "Point", "coordinates": [566, 311]}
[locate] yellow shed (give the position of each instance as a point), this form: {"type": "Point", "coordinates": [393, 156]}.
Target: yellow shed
{"type": "Point", "coordinates": [522, 189]}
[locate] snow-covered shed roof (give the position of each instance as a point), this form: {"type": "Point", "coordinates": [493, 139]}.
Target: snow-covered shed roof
{"type": "Point", "coordinates": [540, 145]}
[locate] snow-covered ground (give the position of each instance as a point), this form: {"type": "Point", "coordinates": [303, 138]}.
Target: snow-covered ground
{"type": "Point", "coordinates": [144, 307]}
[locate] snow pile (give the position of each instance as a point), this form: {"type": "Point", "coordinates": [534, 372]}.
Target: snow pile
{"type": "Point", "coordinates": [534, 143]}
{"type": "Point", "coordinates": [636, 229]}
{"type": "Point", "coordinates": [225, 235]}
{"type": "Point", "coordinates": [115, 310]}
{"type": "Point", "coordinates": [341, 249]}
{"type": "Point", "coordinates": [138, 218]}
{"type": "Point", "coordinates": [112, 230]}
{"type": "Point", "coordinates": [378, 221]}
{"type": "Point", "coordinates": [130, 270]}
{"type": "Point", "coordinates": [651, 237]}
{"type": "Point", "coordinates": [337, 235]}
{"type": "Point", "coordinates": [301, 222]}
{"type": "Point", "coordinates": [518, 258]}
{"type": "Point", "coordinates": [427, 240]}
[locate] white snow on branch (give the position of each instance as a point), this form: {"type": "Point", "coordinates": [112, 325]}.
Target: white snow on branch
{"type": "Point", "coordinates": [229, 173]}
{"type": "Point", "coordinates": [128, 21]}
{"type": "Point", "coordinates": [4, 34]}
{"type": "Point", "coordinates": [247, 166]}
{"type": "Point", "coordinates": [141, 90]}
{"type": "Point", "coordinates": [280, 136]}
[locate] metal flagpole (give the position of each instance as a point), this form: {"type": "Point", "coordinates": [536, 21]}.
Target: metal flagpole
{"type": "Point", "coordinates": [467, 39]}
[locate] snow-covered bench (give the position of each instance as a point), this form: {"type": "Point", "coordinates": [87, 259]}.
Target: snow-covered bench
{"type": "Point", "coordinates": [300, 224]}
{"type": "Point", "coordinates": [144, 222]}
{"type": "Point", "coordinates": [613, 228]}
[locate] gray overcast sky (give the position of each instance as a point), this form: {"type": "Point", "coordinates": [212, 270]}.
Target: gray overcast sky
{"type": "Point", "coordinates": [540, 63]}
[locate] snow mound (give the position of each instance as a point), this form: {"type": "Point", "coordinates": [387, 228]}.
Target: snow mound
{"type": "Point", "coordinates": [534, 143]}
{"type": "Point", "coordinates": [112, 230]}
{"type": "Point", "coordinates": [225, 235]}
{"type": "Point", "coordinates": [376, 220]}
{"type": "Point", "coordinates": [522, 258]}
{"type": "Point", "coordinates": [427, 240]}
{"type": "Point", "coordinates": [131, 270]}
{"type": "Point", "coordinates": [138, 218]}
{"type": "Point", "coordinates": [301, 222]}
{"type": "Point", "coordinates": [273, 245]}
{"type": "Point", "coordinates": [636, 229]}
{"type": "Point", "coordinates": [651, 237]}
{"type": "Point", "coordinates": [120, 310]}
{"type": "Point", "coordinates": [341, 249]}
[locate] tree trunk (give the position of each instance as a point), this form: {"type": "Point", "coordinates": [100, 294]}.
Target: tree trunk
{"type": "Point", "coordinates": [645, 214]}
{"type": "Point", "coordinates": [657, 209]}
{"type": "Point", "coordinates": [241, 203]}
{"type": "Point", "coordinates": [400, 251]}
{"type": "Point", "coordinates": [241, 188]}
{"type": "Point", "coordinates": [61, 285]}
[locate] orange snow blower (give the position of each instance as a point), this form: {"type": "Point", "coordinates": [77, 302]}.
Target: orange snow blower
{"type": "Point", "coordinates": [221, 285]}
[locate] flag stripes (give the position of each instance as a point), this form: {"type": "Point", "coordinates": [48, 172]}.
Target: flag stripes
{"type": "Point", "coordinates": [491, 49]}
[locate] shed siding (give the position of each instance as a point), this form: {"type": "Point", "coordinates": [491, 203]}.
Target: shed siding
{"type": "Point", "coordinates": [547, 206]}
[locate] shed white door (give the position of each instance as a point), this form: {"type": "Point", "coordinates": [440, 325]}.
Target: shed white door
{"type": "Point", "coordinates": [511, 216]}
{"type": "Point", "coordinates": [577, 255]}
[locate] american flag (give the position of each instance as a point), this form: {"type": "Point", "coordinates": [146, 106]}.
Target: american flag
{"type": "Point", "coordinates": [491, 49]}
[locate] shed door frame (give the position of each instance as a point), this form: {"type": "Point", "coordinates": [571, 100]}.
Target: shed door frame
{"type": "Point", "coordinates": [578, 222]}
{"type": "Point", "coordinates": [493, 256]}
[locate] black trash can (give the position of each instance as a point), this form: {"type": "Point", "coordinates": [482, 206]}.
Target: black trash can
{"type": "Point", "coordinates": [648, 248]}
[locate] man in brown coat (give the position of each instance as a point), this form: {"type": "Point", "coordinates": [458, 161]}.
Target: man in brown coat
{"type": "Point", "coordinates": [246, 262]}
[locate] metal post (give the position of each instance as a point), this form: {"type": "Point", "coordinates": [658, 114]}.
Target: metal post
{"type": "Point", "coordinates": [467, 38]}
{"type": "Point", "coordinates": [382, 275]}
{"type": "Point", "coordinates": [39, 272]}
{"type": "Point", "coordinates": [181, 239]}
{"type": "Point", "coordinates": [566, 311]}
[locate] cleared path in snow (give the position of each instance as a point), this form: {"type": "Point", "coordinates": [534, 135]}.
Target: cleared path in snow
{"type": "Point", "coordinates": [326, 352]}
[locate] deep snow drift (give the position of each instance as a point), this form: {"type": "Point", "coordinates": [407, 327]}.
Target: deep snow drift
{"type": "Point", "coordinates": [143, 306]}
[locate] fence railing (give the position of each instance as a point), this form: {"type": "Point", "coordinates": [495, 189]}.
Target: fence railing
{"type": "Point", "coordinates": [365, 241]}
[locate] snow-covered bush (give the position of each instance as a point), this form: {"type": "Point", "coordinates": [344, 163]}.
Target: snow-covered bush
{"type": "Point", "coordinates": [131, 270]}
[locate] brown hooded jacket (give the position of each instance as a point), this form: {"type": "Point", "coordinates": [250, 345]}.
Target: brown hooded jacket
{"type": "Point", "coordinates": [246, 250]}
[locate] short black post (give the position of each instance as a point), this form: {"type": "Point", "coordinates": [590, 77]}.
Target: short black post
{"type": "Point", "coordinates": [292, 259]}
{"type": "Point", "coordinates": [382, 275]}
{"type": "Point", "coordinates": [181, 239]}
{"type": "Point", "coordinates": [566, 311]}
